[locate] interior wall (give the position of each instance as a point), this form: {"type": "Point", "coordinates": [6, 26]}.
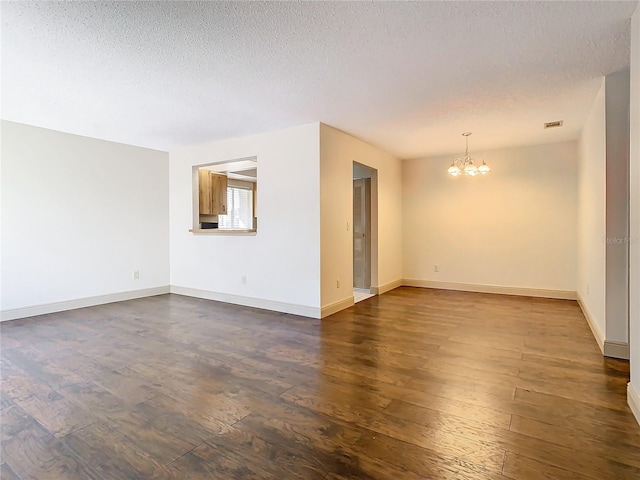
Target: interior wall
{"type": "Point", "coordinates": [338, 151]}
{"type": "Point", "coordinates": [513, 228]}
{"type": "Point", "coordinates": [617, 208]}
{"type": "Point", "coordinates": [79, 216]}
{"type": "Point", "coordinates": [360, 171]}
{"type": "Point", "coordinates": [591, 216]}
{"type": "Point", "coordinates": [634, 215]}
{"type": "Point", "coordinates": [281, 262]}
{"type": "Point", "coordinates": [603, 226]}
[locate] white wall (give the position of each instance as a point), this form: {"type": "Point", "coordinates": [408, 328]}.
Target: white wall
{"type": "Point", "coordinates": [603, 225]}
{"type": "Point", "coordinates": [591, 216]}
{"type": "Point", "coordinates": [79, 215]}
{"type": "Point", "coordinates": [338, 151]}
{"type": "Point", "coordinates": [634, 234]}
{"type": "Point", "coordinates": [617, 208]}
{"type": "Point", "coordinates": [282, 261]}
{"type": "Point", "coordinates": [514, 228]}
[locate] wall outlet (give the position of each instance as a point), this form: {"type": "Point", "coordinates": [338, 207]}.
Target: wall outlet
{"type": "Point", "coordinates": [436, 268]}
{"type": "Point", "coordinates": [244, 279]}
{"type": "Point", "coordinates": [337, 283]}
{"type": "Point", "coordinates": [136, 274]}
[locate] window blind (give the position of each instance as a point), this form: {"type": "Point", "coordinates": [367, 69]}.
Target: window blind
{"type": "Point", "coordinates": [239, 210]}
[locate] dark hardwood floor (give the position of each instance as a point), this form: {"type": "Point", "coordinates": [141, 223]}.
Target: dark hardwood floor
{"type": "Point", "coordinates": [414, 384]}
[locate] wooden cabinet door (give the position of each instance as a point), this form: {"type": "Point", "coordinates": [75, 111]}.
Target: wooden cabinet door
{"type": "Point", "coordinates": [212, 193]}
{"type": "Point", "coordinates": [204, 192]}
{"type": "Point", "coordinates": [219, 193]}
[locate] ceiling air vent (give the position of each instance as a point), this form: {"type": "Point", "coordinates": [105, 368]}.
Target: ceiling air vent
{"type": "Point", "coordinates": [553, 124]}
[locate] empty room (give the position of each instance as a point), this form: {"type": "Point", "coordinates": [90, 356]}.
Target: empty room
{"type": "Point", "coordinates": [320, 240]}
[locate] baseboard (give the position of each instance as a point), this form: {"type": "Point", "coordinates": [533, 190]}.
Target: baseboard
{"type": "Point", "coordinates": [302, 310]}
{"type": "Point", "coordinates": [471, 287]}
{"type": "Point", "coordinates": [633, 399]}
{"type": "Point", "coordinates": [609, 348]}
{"type": "Point", "coordinates": [336, 307]}
{"type": "Point", "coordinates": [379, 290]}
{"type": "Point", "coordinates": [44, 309]}
{"type": "Point", "coordinates": [616, 349]}
{"type": "Point", "coordinates": [595, 328]}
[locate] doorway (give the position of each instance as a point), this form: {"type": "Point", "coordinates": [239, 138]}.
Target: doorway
{"type": "Point", "coordinates": [362, 231]}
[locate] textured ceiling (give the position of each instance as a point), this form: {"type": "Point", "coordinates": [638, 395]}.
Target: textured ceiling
{"type": "Point", "coordinates": [407, 76]}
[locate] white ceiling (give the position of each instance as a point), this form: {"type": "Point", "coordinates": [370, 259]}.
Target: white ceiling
{"type": "Point", "coordinates": [407, 76]}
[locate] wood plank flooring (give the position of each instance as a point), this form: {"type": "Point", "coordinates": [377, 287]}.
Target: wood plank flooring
{"type": "Point", "coordinates": [413, 384]}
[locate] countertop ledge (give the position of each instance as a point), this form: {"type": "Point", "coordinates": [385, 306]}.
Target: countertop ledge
{"type": "Point", "coordinates": [217, 231]}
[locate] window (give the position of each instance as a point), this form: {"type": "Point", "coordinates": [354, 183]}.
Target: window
{"type": "Point", "coordinates": [239, 209]}
{"type": "Point", "coordinates": [224, 197]}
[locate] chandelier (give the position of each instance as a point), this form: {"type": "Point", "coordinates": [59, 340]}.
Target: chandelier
{"type": "Point", "coordinates": [466, 165]}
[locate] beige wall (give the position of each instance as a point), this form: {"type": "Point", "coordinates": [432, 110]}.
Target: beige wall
{"type": "Point", "coordinates": [515, 227]}
{"type": "Point", "coordinates": [617, 209]}
{"type": "Point", "coordinates": [338, 151]}
{"type": "Point", "coordinates": [603, 213]}
{"type": "Point", "coordinates": [634, 234]}
{"type": "Point", "coordinates": [591, 216]}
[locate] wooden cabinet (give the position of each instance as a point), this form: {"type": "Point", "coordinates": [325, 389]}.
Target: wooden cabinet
{"type": "Point", "coordinates": [218, 194]}
{"type": "Point", "coordinates": [212, 192]}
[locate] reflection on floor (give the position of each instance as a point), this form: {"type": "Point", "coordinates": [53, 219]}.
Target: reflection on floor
{"type": "Point", "coordinates": [360, 294]}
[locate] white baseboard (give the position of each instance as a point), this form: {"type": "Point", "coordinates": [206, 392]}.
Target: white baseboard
{"type": "Point", "coordinates": [379, 290]}
{"type": "Point", "coordinates": [593, 325]}
{"type": "Point", "coordinates": [609, 348]}
{"type": "Point", "coordinates": [24, 312]}
{"type": "Point", "coordinates": [616, 349]}
{"type": "Point", "coordinates": [471, 287]}
{"type": "Point", "coordinates": [336, 307]}
{"type": "Point", "coordinates": [302, 310]}
{"type": "Point", "coordinates": [633, 399]}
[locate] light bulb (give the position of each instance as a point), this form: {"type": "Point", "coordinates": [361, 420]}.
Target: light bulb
{"type": "Point", "coordinates": [454, 171]}
{"type": "Point", "coordinates": [484, 168]}
{"type": "Point", "coordinates": [471, 170]}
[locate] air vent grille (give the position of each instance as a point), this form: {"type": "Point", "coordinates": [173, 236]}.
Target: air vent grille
{"type": "Point", "coordinates": [555, 124]}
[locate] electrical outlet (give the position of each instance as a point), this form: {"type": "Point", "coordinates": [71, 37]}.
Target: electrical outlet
{"type": "Point", "coordinates": [244, 279]}
{"type": "Point", "coordinates": [136, 274]}
{"type": "Point", "coordinates": [436, 268]}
